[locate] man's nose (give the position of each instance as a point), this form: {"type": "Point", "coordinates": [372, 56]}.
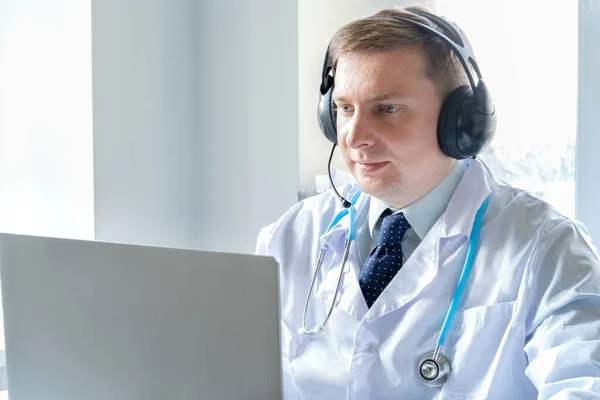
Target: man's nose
{"type": "Point", "coordinates": [360, 131]}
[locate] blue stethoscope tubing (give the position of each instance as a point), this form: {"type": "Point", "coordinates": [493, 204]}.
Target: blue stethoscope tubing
{"type": "Point", "coordinates": [473, 239]}
{"type": "Point", "coordinates": [434, 367]}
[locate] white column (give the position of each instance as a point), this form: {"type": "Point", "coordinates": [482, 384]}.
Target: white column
{"type": "Point", "coordinates": [246, 119]}
{"type": "Point", "coordinates": [144, 135]}
{"type": "Point", "coordinates": [195, 120]}
{"type": "Point", "coordinates": [588, 138]}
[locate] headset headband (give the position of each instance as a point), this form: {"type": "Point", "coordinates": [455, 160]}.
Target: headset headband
{"type": "Point", "coordinates": [456, 43]}
{"type": "Point", "coordinates": [462, 50]}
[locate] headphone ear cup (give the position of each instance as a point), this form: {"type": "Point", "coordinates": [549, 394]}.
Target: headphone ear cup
{"type": "Point", "coordinates": [467, 123]}
{"type": "Point", "coordinates": [326, 115]}
{"type": "Point", "coordinates": [449, 121]}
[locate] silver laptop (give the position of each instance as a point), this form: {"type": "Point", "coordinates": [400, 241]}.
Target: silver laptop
{"type": "Point", "coordinates": [89, 320]}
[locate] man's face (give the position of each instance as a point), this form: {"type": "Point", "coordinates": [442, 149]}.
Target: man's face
{"type": "Point", "coordinates": [387, 113]}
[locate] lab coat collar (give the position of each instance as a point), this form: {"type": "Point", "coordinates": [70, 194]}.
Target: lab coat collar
{"type": "Point", "coordinates": [334, 239]}
{"type": "Point", "coordinates": [472, 190]}
{"type": "Point", "coordinates": [458, 218]}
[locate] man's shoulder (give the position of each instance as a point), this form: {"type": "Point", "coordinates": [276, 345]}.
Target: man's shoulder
{"type": "Point", "coordinates": [306, 218]}
{"type": "Point", "coordinates": [312, 209]}
{"type": "Point", "coordinates": [526, 211]}
{"type": "Point", "coordinates": [520, 198]}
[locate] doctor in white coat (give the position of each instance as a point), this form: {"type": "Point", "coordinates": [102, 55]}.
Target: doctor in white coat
{"type": "Point", "coordinates": [489, 293]}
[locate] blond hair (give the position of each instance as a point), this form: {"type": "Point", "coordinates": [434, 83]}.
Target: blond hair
{"type": "Point", "coordinates": [386, 31]}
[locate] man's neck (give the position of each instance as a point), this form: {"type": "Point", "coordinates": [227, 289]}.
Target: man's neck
{"type": "Point", "coordinates": [420, 188]}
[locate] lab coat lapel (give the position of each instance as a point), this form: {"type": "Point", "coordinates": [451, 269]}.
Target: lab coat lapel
{"type": "Point", "coordinates": [425, 263]}
{"type": "Point", "coordinates": [353, 301]}
{"type": "Point", "coordinates": [470, 193]}
{"type": "Point", "coordinates": [350, 298]}
{"type": "Point", "coordinates": [335, 238]}
{"type": "Point", "coordinates": [418, 271]}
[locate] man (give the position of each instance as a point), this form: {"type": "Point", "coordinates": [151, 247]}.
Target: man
{"type": "Point", "coordinates": [527, 308]}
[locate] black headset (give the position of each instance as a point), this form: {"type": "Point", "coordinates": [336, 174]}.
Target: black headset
{"type": "Point", "coordinates": [467, 122]}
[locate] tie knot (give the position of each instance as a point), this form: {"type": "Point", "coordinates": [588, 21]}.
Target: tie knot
{"type": "Point", "coordinates": [392, 230]}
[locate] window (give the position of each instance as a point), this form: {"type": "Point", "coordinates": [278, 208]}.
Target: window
{"type": "Point", "coordinates": [530, 65]}
{"type": "Point", "coordinates": [46, 166]}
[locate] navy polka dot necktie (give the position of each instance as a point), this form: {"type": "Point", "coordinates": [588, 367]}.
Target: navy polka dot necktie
{"type": "Point", "coordinates": [386, 259]}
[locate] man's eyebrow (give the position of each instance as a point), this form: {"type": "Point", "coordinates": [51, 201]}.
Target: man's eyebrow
{"type": "Point", "coordinates": [387, 96]}
{"type": "Point", "coordinates": [340, 99]}
{"type": "Point", "coordinates": [379, 97]}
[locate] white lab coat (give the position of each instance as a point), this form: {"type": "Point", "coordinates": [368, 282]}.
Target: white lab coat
{"type": "Point", "coordinates": [527, 327]}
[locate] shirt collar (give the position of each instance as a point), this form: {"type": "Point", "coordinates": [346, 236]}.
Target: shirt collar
{"type": "Point", "coordinates": [423, 213]}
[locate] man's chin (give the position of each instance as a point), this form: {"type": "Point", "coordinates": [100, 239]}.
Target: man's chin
{"type": "Point", "coordinates": [373, 187]}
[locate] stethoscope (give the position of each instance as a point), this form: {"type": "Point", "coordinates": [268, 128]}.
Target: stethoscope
{"type": "Point", "coordinates": [434, 368]}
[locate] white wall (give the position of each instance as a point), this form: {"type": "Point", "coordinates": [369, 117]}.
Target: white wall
{"type": "Point", "coordinates": [195, 120]}
{"type": "Point", "coordinates": [246, 119]}
{"type": "Point", "coordinates": [46, 167]}
{"type": "Point", "coordinates": [144, 133]}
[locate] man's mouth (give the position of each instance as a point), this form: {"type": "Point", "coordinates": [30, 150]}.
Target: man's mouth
{"type": "Point", "coordinates": [371, 167]}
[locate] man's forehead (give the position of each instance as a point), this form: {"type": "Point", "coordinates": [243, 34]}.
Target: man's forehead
{"type": "Point", "coordinates": [394, 59]}
{"type": "Point", "coordinates": [377, 76]}
{"type": "Point", "coordinates": [387, 66]}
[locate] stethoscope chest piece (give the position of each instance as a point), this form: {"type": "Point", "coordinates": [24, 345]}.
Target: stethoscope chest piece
{"type": "Point", "coordinates": [434, 373]}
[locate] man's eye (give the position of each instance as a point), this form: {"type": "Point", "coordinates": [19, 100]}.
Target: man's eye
{"type": "Point", "coordinates": [344, 108]}
{"type": "Point", "coordinates": [390, 108]}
